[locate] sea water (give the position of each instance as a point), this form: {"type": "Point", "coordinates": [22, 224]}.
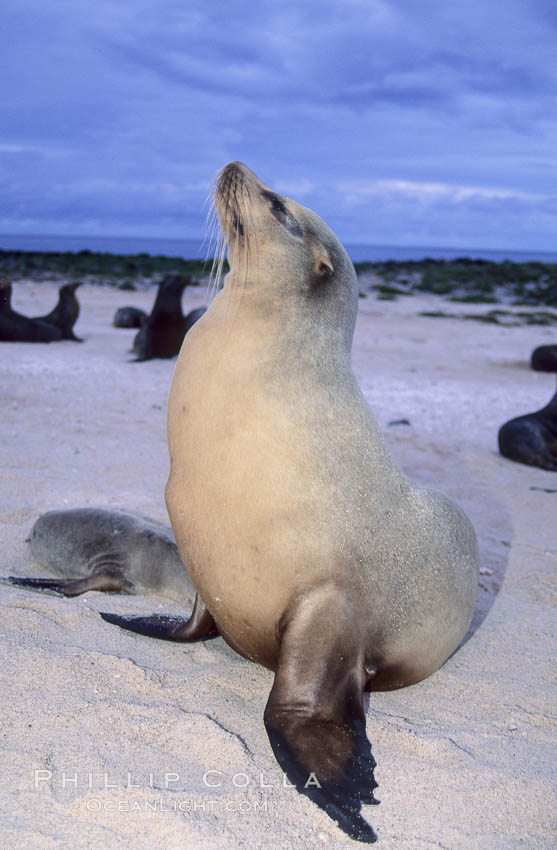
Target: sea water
{"type": "Point", "coordinates": [197, 249]}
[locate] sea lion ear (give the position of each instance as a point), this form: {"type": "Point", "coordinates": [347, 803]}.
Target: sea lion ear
{"type": "Point", "coordinates": [324, 265]}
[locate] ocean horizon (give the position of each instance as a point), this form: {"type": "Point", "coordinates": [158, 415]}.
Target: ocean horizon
{"type": "Point", "coordinates": [196, 249]}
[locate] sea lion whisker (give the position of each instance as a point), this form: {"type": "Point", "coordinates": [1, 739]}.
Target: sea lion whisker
{"type": "Point", "coordinates": [241, 246]}
{"type": "Point", "coordinates": [210, 229]}
{"type": "Point", "coordinates": [211, 233]}
{"type": "Point", "coordinates": [210, 196]}
{"type": "Point", "coordinates": [234, 252]}
{"type": "Point", "coordinates": [252, 241]}
{"type": "Point", "coordinates": [221, 257]}
{"type": "Point", "coordinates": [218, 256]}
{"type": "Point", "coordinates": [214, 247]}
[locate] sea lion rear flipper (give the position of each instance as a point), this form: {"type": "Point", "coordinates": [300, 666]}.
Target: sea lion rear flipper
{"type": "Point", "coordinates": [73, 587]}
{"type": "Point", "coordinates": [315, 719]}
{"type": "Point", "coordinates": [199, 625]}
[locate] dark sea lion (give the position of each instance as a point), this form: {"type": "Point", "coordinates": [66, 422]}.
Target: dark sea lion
{"type": "Point", "coordinates": [544, 358]}
{"type": "Point", "coordinates": [110, 550]}
{"type": "Point", "coordinates": [14, 327]}
{"type": "Point", "coordinates": [129, 317]}
{"type": "Point", "coordinates": [532, 438]}
{"type": "Point", "coordinates": [65, 314]}
{"type": "Point", "coordinates": [193, 316]}
{"type": "Point", "coordinates": [310, 551]}
{"type": "Point", "coordinates": [163, 332]}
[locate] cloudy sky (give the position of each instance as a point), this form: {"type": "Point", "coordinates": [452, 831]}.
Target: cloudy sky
{"type": "Point", "coordinates": [401, 122]}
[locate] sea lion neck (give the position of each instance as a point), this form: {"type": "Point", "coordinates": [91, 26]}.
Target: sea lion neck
{"type": "Point", "coordinates": [284, 323]}
{"type": "Point", "coordinates": [551, 406]}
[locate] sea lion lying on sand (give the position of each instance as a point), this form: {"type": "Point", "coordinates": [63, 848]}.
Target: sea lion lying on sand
{"type": "Point", "coordinates": [532, 438]}
{"type": "Point", "coordinates": [14, 327]}
{"type": "Point", "coordinates": [544, 358]}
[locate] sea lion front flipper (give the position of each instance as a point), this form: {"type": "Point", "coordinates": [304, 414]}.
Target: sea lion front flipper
{"type": "Point", "coordinates": [199, 625]}
{"type": "Point", "coordinates": [106, 582]}
{"type": "Point", "coordinates": [315, 718]}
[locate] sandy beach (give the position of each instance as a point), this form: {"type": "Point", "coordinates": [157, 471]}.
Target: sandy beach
{"type": "Point", "coordinates": [111, 740]}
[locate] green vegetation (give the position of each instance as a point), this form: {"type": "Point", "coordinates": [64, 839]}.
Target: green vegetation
{"type": "Point", "coordinates": [472, 281]}
{"type": "Point", "coordinates": [115, 269]}
{"type": "Point", "coordinates": [387, 291]}
{"type": "Point", "coordinates": [463, 280]}
{"type": "Point", "coordinates": [499, 317]}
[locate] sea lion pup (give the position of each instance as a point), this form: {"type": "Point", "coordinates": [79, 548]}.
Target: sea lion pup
{"type": "Point", "coordinates": [532, 438]}
{"type": "Point", "coordinates": [163, 332]}
{"type": "Point", "coordinates": [544, 358]}
{"type": "Point", "coordinates": [110, 550]}
{"type": "Point", "coordinates": [65, 314]}
{"type": "Point", "coordinates": [129, 317]}
{"type": "Point", "coordinates": [310, 551]}
{"type": "Point", "coordinates": [14, 327]}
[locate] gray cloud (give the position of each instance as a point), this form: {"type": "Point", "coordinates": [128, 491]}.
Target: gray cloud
{"type": "Point", "coordinates": [116, 116]}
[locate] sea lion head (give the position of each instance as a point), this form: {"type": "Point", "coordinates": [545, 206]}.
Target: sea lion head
{"type": "Point", "coordinates": [70, 288]}
{"type": "Point", "coordinates": [174, 284]}
{"type": "Point", "coordinates": [281, 248]}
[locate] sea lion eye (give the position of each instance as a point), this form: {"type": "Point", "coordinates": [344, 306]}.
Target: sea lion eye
{"type": "Point", "coordinates": [278, 209]}
{"type": "Point", "coordinates": [276, 204]}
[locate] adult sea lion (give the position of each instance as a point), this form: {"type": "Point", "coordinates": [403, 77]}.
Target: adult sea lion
{"type": "Point", "coordinates": [193, 316]}
{"type": "Point", "coordinates": [544, 358]}
{"type": "Point", "coordinates": [310, 551]}
{"type": "Point", "coordinates": [65, 314]}
{"type": "Point", "coordinates": [532, 438]}
{"type": "Point", "coordinates": [110, 550]}
{"type": "Point", "coordinates": [163, 332]}
{"type": "Point", "coordinates": [14, 327]}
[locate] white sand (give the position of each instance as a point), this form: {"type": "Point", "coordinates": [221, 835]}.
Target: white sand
{"type": "Point", "coordinates": [466, 759]}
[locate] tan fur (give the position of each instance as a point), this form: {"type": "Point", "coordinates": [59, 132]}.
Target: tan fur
{"type": "Point", "coordinates": [280, 484]}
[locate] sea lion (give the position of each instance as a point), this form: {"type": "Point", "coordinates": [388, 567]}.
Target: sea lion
{"type": "Point", "coordinates": [129, 317]}
{"type": "Point", "coordinates": [65, 314]}
{"type": "Point", "coordinates": [544, 358]}
{"type": "Point", "coordinates": [14, 327]}
{"type": "Point", "coordinates": [532, 438]}
{"type": "Point", "coordinates": [163, 332]}
{"type": "Point", "coordinates": [310, 551]}
{"type": "Point", "coordinates": [110, 550]}
{"type": "Point", "coordinates": [193, 316]}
